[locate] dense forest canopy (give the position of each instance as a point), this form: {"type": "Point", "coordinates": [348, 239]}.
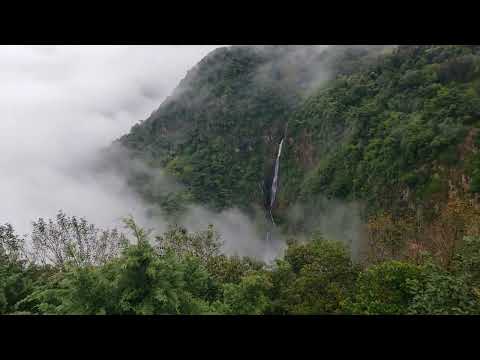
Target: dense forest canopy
{"type": "Point", "coordinates": [185, 273]}
{"type": "Point", "coordinates": [381, 122]}
{"type": "Point", "coordinates": [218, 132]}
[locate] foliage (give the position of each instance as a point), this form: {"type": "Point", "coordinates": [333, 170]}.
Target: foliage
{"type": "Point", "coordinates": [383, 133]}
{"type": "Point", "coordinates": [11, 245]}
{"type": "Point", "coordinates": [16, 280]}
{"type": "Point", "coordinates": [249, 297]}
{"type": "Point", "coordinates": [218, 132]}
{"type": "Point", "coordinates": [401, 288]}
{"type": "Point", "coordinates": [71, 240]}
{"type": "Point", "coordinates": [443, 293]}
{"type": "Point", "coordinates": [139, 281]}
{"type": "Point", "coordinates": [231, 269]}
{"type": "Point", "coordinates": [384, 289]}
{"type": "Point", "coordinates": [408, 235]}
{"type": "Point", "coordinates": [203, 245]}
{"type": "Point", "coordinates": [178, 277]}
{"type": "Point", "coordinates": [314, 278]}
{"type": "Point", "coordinates": [396, 131]}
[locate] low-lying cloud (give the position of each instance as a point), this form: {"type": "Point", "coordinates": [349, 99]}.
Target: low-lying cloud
{"type": "Point", "coordinates": [60, 105]}
{"type": "Point", "coordinates": [334, 219]}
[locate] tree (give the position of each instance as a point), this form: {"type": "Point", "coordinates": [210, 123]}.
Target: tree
{"type": "Point", "coordinates": [440, 292]}
{"type": "Point", "coordinates": [388, 236]}
{"type": "Point", "coordinates": [467, 260]}
{"type": "Point", "coordinates": [204, 244]}
{"type": "Point", "coordinates": [231, 269]}
{"type": "Point", "coordinates": [73, 240]}
{"type": "Point", "coordinates": [445, 235]}
{"type": "Point", "coordinates": [249, 297]}
{"type": "Point", "coordinates": [385, 289]}
{"type": "Point", "coordinates": [140, 281]}
{"type": "Point", "coordinates": [12, 247]}
{"type": "Point", "coordinates": [315, 277]}
{"type": "Point", "coordinates": [16, 279]}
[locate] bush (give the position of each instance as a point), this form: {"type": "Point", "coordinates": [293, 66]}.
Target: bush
{"type": "Point", "coordinates": [315, 278]}
{"type": "Point", "coordinates": [385, 289]}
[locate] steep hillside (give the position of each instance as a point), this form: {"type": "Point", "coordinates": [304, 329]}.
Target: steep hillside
{"type": "Point", "coordinates": [402, 133]}
{"type": "Point", "coordinates": [219, 131]}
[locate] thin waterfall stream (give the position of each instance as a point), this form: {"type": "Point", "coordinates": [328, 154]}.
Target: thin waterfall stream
{"type": "Point", "coordinates": [275, 180]}
{"type": "Point", "coordinates": [274, 188]}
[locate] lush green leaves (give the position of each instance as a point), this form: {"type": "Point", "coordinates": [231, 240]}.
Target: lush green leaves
{"type": "Point", "coordinates": [384, 131]}
{"type": "Point", "coordinates": [187, 275]}
{"type": "Point", "coordinates": [321, 277]}
{"type": "Point", "coordinates": [385, 289]}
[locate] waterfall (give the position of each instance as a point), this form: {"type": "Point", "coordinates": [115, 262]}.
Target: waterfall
{"type": "Point", "coordinates": [273, 191]}
{"type": "Point", "coordinates": [275, 177]}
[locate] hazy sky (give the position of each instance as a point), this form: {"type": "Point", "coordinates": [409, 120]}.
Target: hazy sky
{"type": "Point", "coordinates": [60, 104]}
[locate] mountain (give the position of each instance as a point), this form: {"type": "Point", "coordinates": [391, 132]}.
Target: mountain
{"type": "Point", "coordinates": [401, 133]}
{"type": "Point", "coordinates": [394, 128]}
{"type": "Point", "coordinates": [218, 132]}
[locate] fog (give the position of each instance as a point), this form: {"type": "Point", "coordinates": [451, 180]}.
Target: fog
{"type": "Point", "coordinates": [333, 219]}
{"type": "Point", "coordinates": [59, 105]}
{"type": "Point", "coordinates": [240, 234]}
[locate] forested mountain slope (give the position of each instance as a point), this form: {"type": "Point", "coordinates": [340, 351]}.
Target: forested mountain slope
{"type": "Point", "coordinates": [218, 133]}
{"type": "Point", "coordinates": [402, 138]}
{"type": "Point", "coordinates": [389, 134]}
{"type": "Point", "coordinates": [391, 128]}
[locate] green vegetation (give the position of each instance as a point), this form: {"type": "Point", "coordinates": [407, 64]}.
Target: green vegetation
{"type": "Point", "coordinates": [185, 273]}
{"type": "Point", "coordinates": [395, 130]}
{"type": "Point", "coordinates": [219, 131]}
{"type": "Point", "coordinates": [390, 130]}
{"type": "Point", "coordinates": [207, 134]}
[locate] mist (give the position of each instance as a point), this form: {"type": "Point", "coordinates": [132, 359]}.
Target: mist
{"type": "Point", "coordinates": [239, 234]}
{"type": "Point", "coordinates": [333, 219]}
{"type": "Point", "coordinates": [60, 105]}
{"type": "Point", "coordinates": [306, 68]}
{"type": "Point", "coordinates": [63, 105]}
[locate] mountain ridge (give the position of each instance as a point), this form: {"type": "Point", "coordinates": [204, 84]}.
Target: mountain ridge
{"type": "Point", "coordinates": [235, 101]}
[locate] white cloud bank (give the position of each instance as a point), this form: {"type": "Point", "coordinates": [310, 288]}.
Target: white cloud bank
{"type": "Point", "coordinates": [58, 106]}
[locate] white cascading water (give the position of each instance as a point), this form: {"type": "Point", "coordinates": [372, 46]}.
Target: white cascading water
{"type": "Point", "coordinates": [275, 180]}
{"type": "Point", "coordinates": [273, 192]}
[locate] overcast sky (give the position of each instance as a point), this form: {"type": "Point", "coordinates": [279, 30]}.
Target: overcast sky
{"type": "Point", "coordinates": [59, 105]}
